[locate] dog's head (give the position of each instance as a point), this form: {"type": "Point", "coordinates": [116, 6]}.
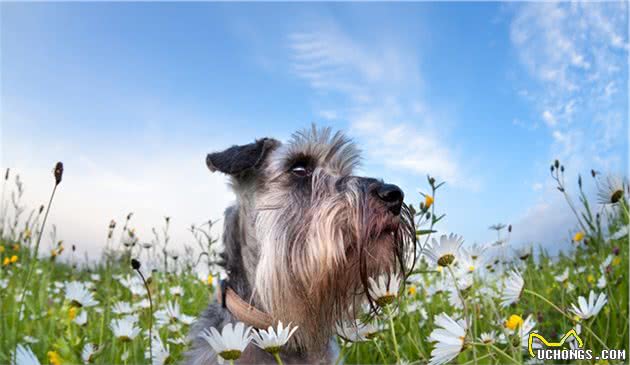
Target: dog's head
{"type": "Point", "coordinates": [313, 231]}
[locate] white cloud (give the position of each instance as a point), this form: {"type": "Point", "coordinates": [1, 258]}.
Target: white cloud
{"type": "Point", "coordinates": [549, 118]}
{"type": "Point", "coordinates": [99, 187]}
{"type": "Point", "coordinates": [576, 52]}
{"type": "Point", "coordinates": [537, 186]}
{"type": "Point", "coordinates": [376, 87]}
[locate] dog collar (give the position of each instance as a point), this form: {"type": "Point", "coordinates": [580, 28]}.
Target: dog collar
{"type": "Point", "coordinates": [240, 309]}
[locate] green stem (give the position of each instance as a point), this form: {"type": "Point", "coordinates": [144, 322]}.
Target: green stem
{"type": "Point", "coordinates": [504, 354]}
{"type": "Point", "coordinates": [276, 355]}
{"type": "Point", "coordinates": [341, 353]}
{"type": "Point", "coordinates": [391, 327]}
{"type": "Point", "coordinates": [478, 359]}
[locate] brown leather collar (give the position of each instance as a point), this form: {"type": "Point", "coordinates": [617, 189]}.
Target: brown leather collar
{"type": "Point", "coordinates": [242, 310]}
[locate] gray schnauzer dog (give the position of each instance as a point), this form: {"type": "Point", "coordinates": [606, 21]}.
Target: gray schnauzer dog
{"type": "Point", "coordinates": [301, 241]}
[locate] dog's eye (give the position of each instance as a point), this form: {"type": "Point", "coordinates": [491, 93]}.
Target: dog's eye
{"type": "Point", "coordinates": [300, 169]}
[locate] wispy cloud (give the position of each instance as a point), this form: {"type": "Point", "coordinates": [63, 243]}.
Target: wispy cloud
{"type": "Point", "coordinates": [376, 86]}
{"type": "Point", "coordinates": [577, 53]}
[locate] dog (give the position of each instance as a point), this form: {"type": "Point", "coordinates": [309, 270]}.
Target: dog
{"type": "Point", "coordinates": [301, 241]}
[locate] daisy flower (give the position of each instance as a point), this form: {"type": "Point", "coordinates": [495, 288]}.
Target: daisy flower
{"type": "Point", "coordinates": [134, 284]}
{"type": "Point", "coordinates": [476, 251]}
{"type": "Point", "coordinates": [523, 252]}
{"type": "Point", "coordinates": [230, 343]}
{"type": "Point", "coordinates": [177, 291]}
{"type": "Point", "coordinates": [604, 265]}
{"type": "Point", "coordinates": [450, 337]}
{"type": "Point", "coordinates": [24, 356]}
{"type": "Point", "coordinates": [512, 289]}
{"type": "Point", "coordinates": [122, 308]}
{"type": "Point", "coordinates": [586, 310]}
{"type": "Point", "coordinates": [611, 190]}
{"type": "Point", "coordinates": [385, 291]}
{"type": "Point", "coordinates": [563, 277]}
{"type": "Point", "coordinates": [79, 295]}
{"type": "Point", "coordinates": [160, 352]}
{"type": "Point", "coordinates": [527, 327]}
{"type": "Point", "coordinates": [271, 340]}
{"type": "Point", "coordinates": [88, 353]}
{"type": "Point", "coordinates": [357, 331]}
{"type": "Point", "coordinates": [446, 251]}
{"type": "Point", "coordinates": [488, 337]}
{"type": "Point", "coordinates": [143, 304]}
{"type": "Point", "coordinates": [81, 318]}
{"type": "Point", "coordinates": [621, 233]}
{"type": "Point", "coordinates": [125, 328]}
{"type": "Point", "coordinates": [30, 339]}
{"type": "Point", "coordinates": [171, 314]}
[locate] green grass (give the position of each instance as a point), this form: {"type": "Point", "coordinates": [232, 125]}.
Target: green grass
{"type": "Point", "coordinates": [47, 314]}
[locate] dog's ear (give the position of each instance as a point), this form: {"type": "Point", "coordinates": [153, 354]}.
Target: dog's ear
{"type": "Point", "coordinates": [237, 160]}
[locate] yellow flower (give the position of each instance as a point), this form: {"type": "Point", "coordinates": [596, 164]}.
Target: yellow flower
{"type": "Point", "coordinates": [72, 313]}
{"type": "Point", "coordinates": [6, 261]}
{"type": "Point", "coordinates": [578, 236]}
{"type": "Point", "coordinates": [14, 259]}
{"type": "Point", "coordinates": [428, 201]}
{"type": "Point", "coordinates": [54, 358]}
{"type": "Point", "coordinates": [514, 321]}
{"type": "Point", "coordinates": [210, 279]}
{"type": "Point", "coordinates": [616, 261]}
{"type": "Point", "coordinates": [590, 278]}
{"type": "Point", "coordinates": [412, 290]}
{"type": "Point", "coordinates": [16, 247]}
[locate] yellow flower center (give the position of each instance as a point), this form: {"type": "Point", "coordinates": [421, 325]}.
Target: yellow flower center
{"type": "Point", "coordinates": [446, 260]}
{"type": "Point", "coordinates": [54, 358]}
{"type": "Point", "coordinates": [210, 279]}
{"type": "Point", "coordinates": [385, 300]}
{"type": "Point", "coordinates": [578, 236]}
{"type": "Point", "coordinates": [514, 321]}
{"type": "Point", "coordinates": [72, 313]}
{"type": "Point", "coordinates": [590, 278]}
{"type": "Point", "coordinates": [14, 259]}
{"type": "Point", "coordinates": [616, 196]}
{"type": "Point", "coordinates": [412, 290]}
{"type": "Point", "coordinates": [230, 354]}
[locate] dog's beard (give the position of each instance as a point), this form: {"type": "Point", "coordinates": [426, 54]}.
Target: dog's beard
{"type": "Point", "coordinates": [315, 262]}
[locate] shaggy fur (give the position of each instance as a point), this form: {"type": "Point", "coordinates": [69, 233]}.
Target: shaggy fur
{"type": "Point", "coordinates": [301, 243]}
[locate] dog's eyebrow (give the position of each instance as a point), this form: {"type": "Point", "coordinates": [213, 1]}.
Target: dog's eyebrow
{"type": "Point", "coordinates": [268, 207]}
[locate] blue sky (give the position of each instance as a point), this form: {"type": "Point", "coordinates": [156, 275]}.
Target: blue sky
{"type": "Point", "coordinates": [482, 95]}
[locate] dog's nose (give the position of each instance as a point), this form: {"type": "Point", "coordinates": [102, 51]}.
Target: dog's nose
{"type": "Point", "coordinates": [392, 196]}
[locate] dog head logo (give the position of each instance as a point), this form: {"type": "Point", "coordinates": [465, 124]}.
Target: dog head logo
{"type": "Point", "coordinates": [306, 233]}
{"type": "Point", "coordinates": [533, 335]}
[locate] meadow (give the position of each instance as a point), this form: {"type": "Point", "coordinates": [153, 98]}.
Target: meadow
{"type": "Point", "coordinates": [471, 304]}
